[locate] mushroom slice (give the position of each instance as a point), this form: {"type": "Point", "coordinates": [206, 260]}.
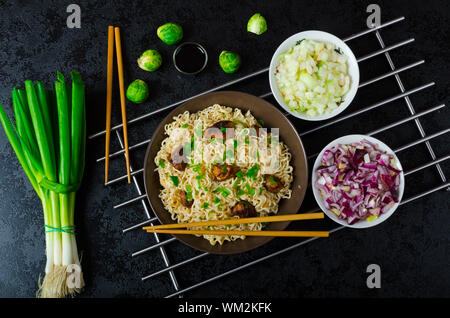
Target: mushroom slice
{"type": "Point", "coordinates": [272, 183]}
{"type": "Point", "coordinates": [224, 172]}
{"type": "Point", "coordinates": [218, 130]}
{"type": "Point", "coordinates": [184, 199]}
{"type": "Point", "coordinates": [243, 209]}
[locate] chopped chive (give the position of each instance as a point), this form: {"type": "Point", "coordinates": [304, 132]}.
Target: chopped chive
{"type": "Point", "coordinates": [272, 181]}
{"type": "Point", "coordinates": [205, 205]}
{"type": "Point", "coordinates": [216, 200]}
{"type": "Point", "coordinates": [175, 180]}
{"type": "Point", "coordinates": [240, 192]}
{"type": "Point", "coordinates": [185, 126]}
{"type": "Point", "coordinates": [161, 163]}
{"type": "Point", "coordinates": [261, 122]}
{"type": "Point", "coordinates": [251, 173]}
{"type": "Point", "coordinates": [236, 121]}
{"type": "Point", "coordinates": [225, 192]}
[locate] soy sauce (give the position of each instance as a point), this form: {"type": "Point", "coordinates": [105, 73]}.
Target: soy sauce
{"type": "Point", "coordinates": [190, 58]}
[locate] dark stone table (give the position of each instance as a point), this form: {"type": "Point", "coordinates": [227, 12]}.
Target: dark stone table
{"type": "Point", "coordinates": [412, 248]}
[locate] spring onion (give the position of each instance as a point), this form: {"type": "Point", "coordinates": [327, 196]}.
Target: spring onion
{"type": "Point", "coordinates": [49, 139]}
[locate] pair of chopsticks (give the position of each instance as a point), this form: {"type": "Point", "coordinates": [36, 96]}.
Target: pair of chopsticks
{"type": "Point", "coordinates": [174, 228]}
{"type": "Point", "coordinates": [115, 31]}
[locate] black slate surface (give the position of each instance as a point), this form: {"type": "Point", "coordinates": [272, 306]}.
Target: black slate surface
{"type": "Point", "coordinates": [412, 247]}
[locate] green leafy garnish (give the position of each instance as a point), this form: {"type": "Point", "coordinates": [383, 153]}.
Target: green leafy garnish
{"type": "Point", "coordinates": [205, 205]}
{"type": "Point", "coordinates": [250, 190]}
{"type": "Point", "coordinates": [251, 173]}
{"type": "Point", "coordinates": [260, 121]}
{"type": "Point", "coordinates": [161, 163]}
{"type": "Point", "coordinates": [240, 192]}
{"type": "Point", "coordinates": [224, 191]}
{"type": "Point", "coordinates": [273, 181]}
{"type": "Point", "coordinates": [236, 121]}
{"type": "Point", "coordinates": [261, 190]}
{"type": "Point", "coordinates": [299, 41]}
{"type": "Point", "coordinates": [185, 126]}
{"type": "Point", "coordinates": [175, 180]}
{"type": "Point", "coordinates": [216, 200]}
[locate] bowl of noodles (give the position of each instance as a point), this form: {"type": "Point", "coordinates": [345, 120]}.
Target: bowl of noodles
{"type": "Point", "coordinates": [225, 155]}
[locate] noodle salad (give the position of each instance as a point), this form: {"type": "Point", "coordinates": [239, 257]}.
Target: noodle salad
{"type": "Point", "coordinates": [220, 164]}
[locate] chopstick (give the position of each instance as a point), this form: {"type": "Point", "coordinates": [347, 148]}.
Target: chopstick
{"type": "Point", "coordinates": [122, 99]}
{"type": "Point", "coordinates": [275, 218]}
{"type": "Point", "coordinates": [248, 233]}
{"type": "Point", "coordinates": [109, 82]}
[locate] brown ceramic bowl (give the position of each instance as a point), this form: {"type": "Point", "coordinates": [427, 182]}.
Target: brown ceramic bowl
{"type": "Point", "coordinates": [272, 117]}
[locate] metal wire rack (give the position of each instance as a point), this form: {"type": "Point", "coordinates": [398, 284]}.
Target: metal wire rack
{"type": "Point", "coordinates": [413, 116]}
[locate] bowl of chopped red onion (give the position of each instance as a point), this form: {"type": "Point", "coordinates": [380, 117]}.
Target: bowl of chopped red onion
{"type": "Point", "coordinates": [358, 181]}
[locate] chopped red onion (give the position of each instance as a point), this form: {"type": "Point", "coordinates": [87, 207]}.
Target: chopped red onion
{"type": "Point", "coordinates": [358, 180]}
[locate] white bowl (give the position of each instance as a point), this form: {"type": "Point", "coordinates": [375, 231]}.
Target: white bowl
{"type": "Point", "coordinates": [364, 223]}
{"type": "Point", "coordinates": [353, 70]}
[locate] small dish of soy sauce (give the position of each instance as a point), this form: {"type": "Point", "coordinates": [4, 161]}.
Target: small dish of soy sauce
{"type": "Point", "coordinates": [190, 58]}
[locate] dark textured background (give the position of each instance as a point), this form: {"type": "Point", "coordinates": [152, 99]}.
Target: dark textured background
{"type": "Point", "coordinates": [412, 247]}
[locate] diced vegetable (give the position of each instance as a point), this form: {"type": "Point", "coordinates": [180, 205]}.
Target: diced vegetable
{"type": "Point", "coordinates": [358, 181]}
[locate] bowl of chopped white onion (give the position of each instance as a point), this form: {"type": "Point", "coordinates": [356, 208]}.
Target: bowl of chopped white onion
{"type": "Point", "coordinates": [314, 75]}
{"type": "Point", "coordinates": [358, 181]}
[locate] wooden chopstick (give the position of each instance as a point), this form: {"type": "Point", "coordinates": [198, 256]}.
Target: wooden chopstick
{"type": "Point", "coordinates": [109, 82]}
{"type": "Point", "coordinates": [248, 233]}
{"type": "Point", "coordinates": [122, 99]}
{"type": "Point", "coordinates": [275, 218]}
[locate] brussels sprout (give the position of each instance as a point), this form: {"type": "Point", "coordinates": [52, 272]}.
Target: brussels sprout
{"type": "Point", "coordinates": [150, 60]}
{"type": "Point", "coordinates": [229, 61]}
{"type": "Point", "coordinates": [257, 24]}
{"type": "Point", "coordinates": [170, 33]}
{"type": "Point", "coordinates": [137, 91]}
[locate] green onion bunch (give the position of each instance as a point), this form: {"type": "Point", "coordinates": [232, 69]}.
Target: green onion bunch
{"type": "Point", "coordinates": [49, 139]}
